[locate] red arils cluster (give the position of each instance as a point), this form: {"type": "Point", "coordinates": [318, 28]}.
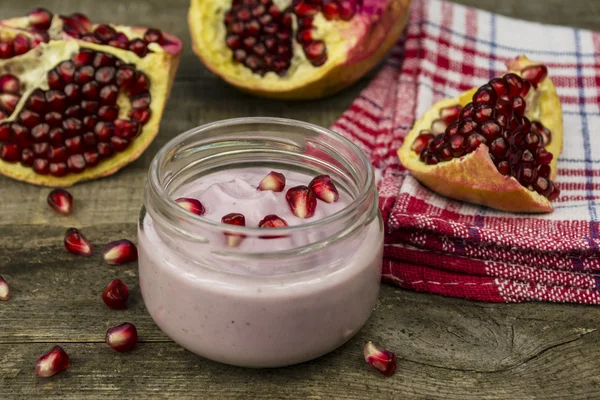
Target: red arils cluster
{"type": "Point", "coordinates": [496, 118]}
{"type": "Point", "coordinates": [75, 124]}
{"type": "Point", "coordinates": [79, 26]}
{"type": "Point", "coordinates": [20, 44]}
{"type": "Point", "coordinates": [260, 34]}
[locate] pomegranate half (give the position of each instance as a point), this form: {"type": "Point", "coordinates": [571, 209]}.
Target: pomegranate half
{"type": "Point", "coordinates": [79, 100]}
{"type": "Point", "coordinates": [294, 49]}
{"type": "Point", "coordinates": [496, 145]}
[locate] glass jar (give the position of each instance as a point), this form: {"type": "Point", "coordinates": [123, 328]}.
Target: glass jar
{"type": "Point", "coordinates": [260, 305]}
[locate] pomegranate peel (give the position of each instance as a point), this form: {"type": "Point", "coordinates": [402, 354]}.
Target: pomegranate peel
{"type": "Point", "coordinates": [34, 70]}
{"type": "Point", "coordinates": [323, 50]}
{"type": "Point", "coordinates": [473, 176]}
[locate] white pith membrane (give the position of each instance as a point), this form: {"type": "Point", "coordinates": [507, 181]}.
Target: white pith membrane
{"type": "Point", "coordinates": [32, 68]}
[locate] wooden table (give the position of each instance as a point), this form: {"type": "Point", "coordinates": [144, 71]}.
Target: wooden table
{"type": "Point", "coordinates": [447, 348]}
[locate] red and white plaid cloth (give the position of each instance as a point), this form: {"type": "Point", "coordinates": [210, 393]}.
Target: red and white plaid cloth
{"type": "Point", "coordinates": [451, 248]}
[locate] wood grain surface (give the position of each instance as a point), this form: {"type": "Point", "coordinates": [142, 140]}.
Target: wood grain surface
{"type": "Point", "coordinates": [447, 348]}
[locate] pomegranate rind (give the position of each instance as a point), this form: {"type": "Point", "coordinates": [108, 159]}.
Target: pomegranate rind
{"type": "Point", "coordinates": [159, 66]}
{"type": "Point", "coordinates": [354, 47]}
{"type": "Point", "coordinates": [474, 177]}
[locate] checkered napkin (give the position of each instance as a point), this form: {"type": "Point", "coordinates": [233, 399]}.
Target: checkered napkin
{"type": "Point", "coordinates": [437, 245]}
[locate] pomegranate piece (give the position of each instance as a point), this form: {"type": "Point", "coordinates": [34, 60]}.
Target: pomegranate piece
{"type": "Point", "coordinates": [61, 201]}
{"type": "Point", "coordinates": [302, 201]}
{"type": "Point", "coordinates": [4, 289]}
{"type": "Point", "coordinates": [282, 41]}
{"type": "Point", "coordinates": [120, 252]}
{"type": "Point", "coordinates": [234, 239]}
{"type": "Point", "coordinates": [51, 363]}
{"type": "Point", "coordinates": [383, 360]}
{"type": "Point", "coordinates": [115, 295]}
{"type": "Point", "coordinates": [324, 189]}
{"type": "Point", "coordinates": [76, 243]}
{"type": "Point", "coordinates": [82, 83]}
{"type": "Point", "coordinates": [495, 118]}
{"type": "Point", "coordinates": [122, 338]}
{"type": "Point", "coordinates": [192, 205]}
{"type": "Point", "coordinates": [273, 181]}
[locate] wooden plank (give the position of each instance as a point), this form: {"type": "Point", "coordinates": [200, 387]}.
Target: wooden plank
{"type": "Point", "coordinates": [448, 348]}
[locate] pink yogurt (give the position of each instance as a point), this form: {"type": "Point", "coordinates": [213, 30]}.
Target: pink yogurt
{"type": "Point", "coordinates": [257, 311]}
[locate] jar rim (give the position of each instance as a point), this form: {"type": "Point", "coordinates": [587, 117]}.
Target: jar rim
{"type": "Point", "coordinates": [171, 207]}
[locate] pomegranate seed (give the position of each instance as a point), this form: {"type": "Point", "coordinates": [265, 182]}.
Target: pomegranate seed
{"type": "Point", "coordinates": [273, 181]}
{"type": "Point", "coordinates": [58, 169]}
{"type": "Point", "coordinates": [120, 41]}
{"type": "Point", "coordinates": [8, 102]}
{"type": "Point", "coordinates": [9, 152]}
{"type": "Point", "coordinates": [380, 358]}
{"type": "Point", "coordinates": [122, 337]}
{"type": "Point", "coordinates": [115, 295]}
{"type": "Point", "coordinates": [75, 242]}
{"type": "Point", "coordinates": [40, 18]}
{"type": "Point", "coordinates": [422, 141]}
{"type": "Point", "coordinates": [61, 201]}
{"type": "Point", "coordinates": [9, 84]}
{"type": "Point", "coordinates": [331, 11]}
{"type": "Point", "coordinates": [138, 46]}
{"type": "Point", "coordinates": [104, 33]}
{"type": "Point", "coordinates": [535, 74]}
{"type": "Point", "coordinates": [272, 221]}
{"type": "Point", "coordinates": [5, 132]}
{"type": "Point", "coordinates": [153, 35]}
{"type": "Point", "coordinates": [316, 53]}
{"type": "Point", "coordinates": [234, 239]}
{"type": "Point", "coordinates": [21, 44]}
{"type": "Point", "coordinates": [120, 252]}
{"type": "Point", "coordinates": [450, 114]}
{"type": "Point", "coordinates": [142, 115]}
{"type": "Point", "coordinates": [302, 201]}
{"type": "Point", "coordinates": [192, 205]}
{"type": "Point", "coordinates": [4, 289]}
{"type": "Point", "coordinates": [324, 189]}
{"type": "Point", "coordinates": [514, 83]}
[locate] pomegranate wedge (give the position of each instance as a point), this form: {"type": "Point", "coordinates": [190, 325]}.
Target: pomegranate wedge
{"type": "Point", "coordinates": [500, 149]}
{"type": "Point", "coordinates": [294, 49]}
{"type": "Point", "coordinates": [79, 100]}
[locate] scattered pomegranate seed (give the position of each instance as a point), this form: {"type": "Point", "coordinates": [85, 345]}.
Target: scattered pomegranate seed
{"type": "Point", "coordinates": [4, 289]}
{"type": "Point", "coordinates": [115, 295]}
{"type": "Point", "coordinates": [273, 181]}
{"type": "Point", "coordinates": [52, 362]}
{"type": "Point", "coordinates": [379, 358]}
{"type": "Point", "coordinates": [120, 252]}
{"type": "Point", "coordinates": [76, 243]}
{"type": "Point", "coordinates": [302, 201]}
{"type": "Point", "coordinates": [324, 189]}
{"type": "Point", "coordinates": [192, 205]}
{"type": "Point", "coordinates": [234, 239]}
{"type": "Point", "coordinates": [122, 337]}
{"type": "Point", "coordinates": [61, 201]}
